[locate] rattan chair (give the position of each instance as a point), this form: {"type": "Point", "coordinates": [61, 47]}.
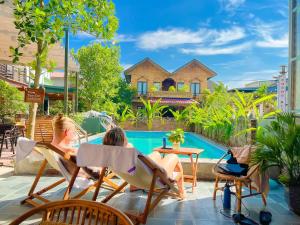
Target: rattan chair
{"type": "Point", "coordinates": [75, 212]}
{"type": "Point", "coordinates": [238, 182]}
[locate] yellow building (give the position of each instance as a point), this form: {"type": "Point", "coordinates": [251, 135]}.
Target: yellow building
{"type": "Point", "coordinates": [179, 88]}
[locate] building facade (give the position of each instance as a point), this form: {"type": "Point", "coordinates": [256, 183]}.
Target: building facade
{"type": "Point", "coordinates": [179, 88]}
{"type": "Point", "coordinates": [294, 56]}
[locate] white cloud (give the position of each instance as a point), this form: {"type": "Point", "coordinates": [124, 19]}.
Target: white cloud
{"type": "Point", "coordinates": [231, 5]}
{"type": "Point", "coordinates": [84, 35]}
{"type": "Point", "coordinates": [271, 35]}
{"type": "Point", "coordinates": [227, 50]}
{"type": "Point", "coordinates": [161, 39]}
{"type": "Point", "coordinates": [126, 66]}
{"type": "Point", "coordinates": [228, 35]}
{"type": "Point", "coordinates": [124, 38]}
{"type": "Point", "coordinates": [169, 37]}
{"type": "Point", "coordinates": [269, 42]}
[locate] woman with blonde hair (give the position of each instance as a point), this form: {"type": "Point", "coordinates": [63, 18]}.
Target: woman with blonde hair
{"type": "Point", "coordinates": [64, 133]}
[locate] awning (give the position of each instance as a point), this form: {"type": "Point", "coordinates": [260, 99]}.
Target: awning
{"type": "Point", "coordinates": [171, 101]}
{"type": "Point", "coordinates": [8, 37]}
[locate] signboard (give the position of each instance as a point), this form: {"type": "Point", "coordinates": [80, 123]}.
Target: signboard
{"type": "Point", "coordinates": [35, 95]}
{"type": "Point", "coordinates": [281, 92]}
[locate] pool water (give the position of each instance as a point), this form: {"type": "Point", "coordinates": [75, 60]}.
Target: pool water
{"type": "Point", "coordinates": [146, 141]}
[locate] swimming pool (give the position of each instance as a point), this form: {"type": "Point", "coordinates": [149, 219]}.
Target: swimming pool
{"type": "Point", "coordinates": [146, 141]}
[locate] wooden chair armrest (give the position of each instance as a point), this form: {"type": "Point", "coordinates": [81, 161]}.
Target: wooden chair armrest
{"type": "Point", "coordinates": [61, 153]}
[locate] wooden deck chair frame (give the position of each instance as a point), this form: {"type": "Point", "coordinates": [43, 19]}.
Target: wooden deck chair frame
{"type": "Point", "coordinates": [33, 194]}
{"type": "Point", "coordinates": [238, 183]}
{"type": "Point", "coordinates": [76, 212]}
{"type": "Point", "coordinates": [150, 203]}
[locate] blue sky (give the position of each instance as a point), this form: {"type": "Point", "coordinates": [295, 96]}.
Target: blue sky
{"type": "Point", "coordinates": [242, 40]}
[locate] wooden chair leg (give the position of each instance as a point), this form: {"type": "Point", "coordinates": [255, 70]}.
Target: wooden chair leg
{"type": "Point", "coordinates": [239, 196]}
{"type": "Point", "coordinates": [2, 142]}
{"type": "Point", "coordinates": [100, 181]}
{"type": "Point", "coordinates": [71, 183]}
{"type": "Point", "coordinates": [216, 187]}
{"type": "Point", "coordinates": [264, 199]}
{"type": "Point", "coordinates": [36, 180]}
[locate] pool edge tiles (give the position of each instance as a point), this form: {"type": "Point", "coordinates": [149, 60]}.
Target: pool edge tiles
{"type": "Point", "coordinates": [146, 141]}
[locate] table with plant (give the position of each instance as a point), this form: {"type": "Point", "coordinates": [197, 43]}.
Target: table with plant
{"type": "Point", "coordinates": [176, 137]}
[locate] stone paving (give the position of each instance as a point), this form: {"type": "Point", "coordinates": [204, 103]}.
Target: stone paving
{"type": "Point", "coordinates": [197, 209]}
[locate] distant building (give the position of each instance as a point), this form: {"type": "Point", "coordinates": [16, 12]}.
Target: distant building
{"type": "Point", "coordinates": [261, 83]}
{"type": "Point", "coordinates": [178, 89]}
{"type": "Point", "coordinates": [294, 56]}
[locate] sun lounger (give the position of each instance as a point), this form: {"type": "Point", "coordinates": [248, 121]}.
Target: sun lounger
{"type": "Point", "coordinates": [53, 155]}
{"type": "Point", "coordinates": [143, 173]}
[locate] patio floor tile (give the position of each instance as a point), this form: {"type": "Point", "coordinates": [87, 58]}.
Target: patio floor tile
{"type": "Point", "coordinates": [197, 209]}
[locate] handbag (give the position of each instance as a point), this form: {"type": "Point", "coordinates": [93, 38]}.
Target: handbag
{"type": "Point", "coordinates": [233, 169]}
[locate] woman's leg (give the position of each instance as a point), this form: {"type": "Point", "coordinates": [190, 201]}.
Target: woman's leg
{"type": "Point", "coordinates": [171, 163]}
{"type": "Point", "coordinates": [155, 156]}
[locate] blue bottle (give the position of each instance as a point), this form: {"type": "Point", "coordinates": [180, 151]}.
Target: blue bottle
{"type": "Point", "coordinates": [164, 142]}
{"type": "Point", "coordinates": [227, 197]}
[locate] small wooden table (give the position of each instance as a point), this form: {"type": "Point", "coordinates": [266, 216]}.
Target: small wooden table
{"type": "Point", "coordinates": [194, 164]}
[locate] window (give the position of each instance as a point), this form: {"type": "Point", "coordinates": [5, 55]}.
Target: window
{"type": "Point", "coordinates": [128, 78]}
{"type": "Point", "coordinates": [157, 86]}
{"type": "Point", "coordinates": [179, 86]}
{"type": "Point", "coordinates": [142, 87]}
{"type": "Point", "coordinates": [195, 89]}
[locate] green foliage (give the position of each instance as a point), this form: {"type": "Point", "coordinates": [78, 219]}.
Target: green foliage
{"type": "Point", "coordinates": [172, 89]}
{"type": "Point", "coordinates": [176, 136]}
{"type": "Point", "coordinates": [184, 88]}
{"type": "Point", "coordinates": [11, 100]}
{"type": "Point", "coordinates": [150, 111]}
{"type": "Point", "coordinates": [153, 88]}
{"type": "Point", "coordinates": [180, 116]}
{"type": "Point", "coordinates": [278, 144]}
{"type": "Point", "coordinates": [125, 94]}
{"type": "Point", "coordinates": [78, 118]}
{"type": "Point", "coordinates": [225, 116]}
{"type": "Point", "coordinates": [57, 107]}
{"type": "Point", "coordinates": [126, 114]}
{"type": "Point", "coordinates": [42, 23]}
{"type": "Point", "coordinates": [100, 72]}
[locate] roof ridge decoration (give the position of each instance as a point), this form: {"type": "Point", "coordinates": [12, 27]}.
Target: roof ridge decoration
{"type": "Point", "coordinates": [213, 73]}
{"type": "Point", "coordinates": [145, 60]}
{"type": "Point", "coordinates": [198, 62]}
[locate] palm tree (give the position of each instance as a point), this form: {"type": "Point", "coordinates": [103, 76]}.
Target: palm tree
{"type": "Point", "coordinates": [151, 111]}
{"type": "Point", "coordinates": [180, 116]}
{"type": "Point", "coordinates": [126, 114]}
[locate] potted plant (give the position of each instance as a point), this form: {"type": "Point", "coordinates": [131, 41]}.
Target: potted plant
{"type": "Point", "coordinates": [176, 137]}
{"type": "Point", "coordinates": [278, 145]}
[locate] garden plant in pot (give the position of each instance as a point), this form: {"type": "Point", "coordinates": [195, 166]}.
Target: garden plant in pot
{"type": "Point", "coordinates": [176, 137]}
{"type": "Point", "coordinates": [278, 144]}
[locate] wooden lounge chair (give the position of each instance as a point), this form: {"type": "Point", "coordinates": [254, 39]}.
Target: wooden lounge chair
{"type": "Point", "coordinates": [148, 176]}
{"type": "Point", "coordinates": [75, 212]}
{"type": "Point", "coordinates": [238, 182]}
{"type": "Point", "coordinates": [52, 156]}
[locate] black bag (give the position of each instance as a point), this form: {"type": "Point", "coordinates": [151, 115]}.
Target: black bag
{"type": "Point", "coordinates": [232, 159]}
{"type": "Point", "coordinates": [233, 169]}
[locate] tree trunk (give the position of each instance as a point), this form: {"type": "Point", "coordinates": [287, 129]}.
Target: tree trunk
{"type": "Point", "coordinates": [34, 106]}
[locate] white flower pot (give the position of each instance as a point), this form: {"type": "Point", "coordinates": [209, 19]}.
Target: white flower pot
{"type": "Point", "coordinates": [176, 145]}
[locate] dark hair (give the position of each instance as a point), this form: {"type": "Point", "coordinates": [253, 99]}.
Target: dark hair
{"type": "Point", "coordinates": [115, 136]}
